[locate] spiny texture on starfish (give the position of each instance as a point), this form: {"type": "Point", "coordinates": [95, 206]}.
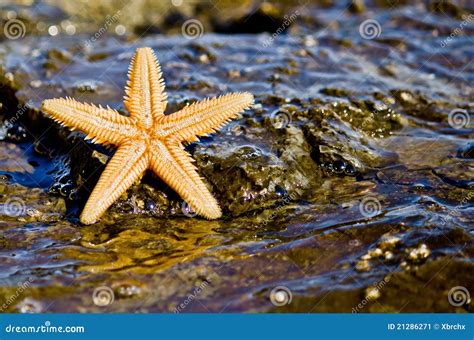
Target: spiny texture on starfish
{"type": "Point", "coordinates": [148, 139]}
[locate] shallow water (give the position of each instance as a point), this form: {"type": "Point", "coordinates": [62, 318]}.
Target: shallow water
{"type": "Point", "coordinates": [348, 187]}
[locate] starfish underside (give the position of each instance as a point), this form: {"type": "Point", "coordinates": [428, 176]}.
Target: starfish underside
{"type": "Point", "coordinates": [148, 139]}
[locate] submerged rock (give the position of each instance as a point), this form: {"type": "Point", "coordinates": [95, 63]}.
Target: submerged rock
{"type": "Point", "coordinates": [288, 143]}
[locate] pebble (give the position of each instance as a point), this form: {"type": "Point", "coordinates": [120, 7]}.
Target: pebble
{"type": "Point", "coordinates": [389, 242]}
{"type": "Point", "coordinates": [419, 254]}
{"type": "Point", "coordinates": [128, 290]}
{"type": "Point", "coordinates": [377, 252]}
{"type": "Point", "coordinates": [372, 293]}
{"type": "Point", "coordinates": [389, 256]}
{"type": "Point", "coordinates": [363, 266]}
{"type": "Point", "coordinates": [29, 306]}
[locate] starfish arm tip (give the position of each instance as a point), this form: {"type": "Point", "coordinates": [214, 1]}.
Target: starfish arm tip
{"type": "Point", "coordinates": [86, 219]}
{"type": "Point", "coordinates": [214, 216]}
{"type": "Point", "coordinates": [249, 97]}
{"type": "Point", "coordinates": [46, 104]}
{"type": "Point", "coordinates": [212, 211]}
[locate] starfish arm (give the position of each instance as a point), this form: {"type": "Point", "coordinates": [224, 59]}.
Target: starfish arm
{"type": "Point", "coordinates": [126, 166]}
{"type": "Point", "coordinates": [174, 166]}
{"type": "Point", "coordinates": [203, 117]}
{"type": "Point", "coordinates": [102, 125]}
{"type": "Point", "coordinates": [145, 96]}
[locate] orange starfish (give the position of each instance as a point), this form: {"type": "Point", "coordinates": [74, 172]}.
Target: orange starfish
{"type": "Point", "coordinates": [148, 139]}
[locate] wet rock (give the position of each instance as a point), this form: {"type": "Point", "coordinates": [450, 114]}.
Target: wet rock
{"type": "Point", "coordinates": [330, 134]}
{"type": "Point", "coordinates": [29, 306]}
{"type": "Point", "coordinates": [16, 133]}
{"type": "Point", "coordinates": [128, 290]}
{"type": "Point", "coordinates": [419, 254]}
{"type": "Point", "coordinates": [389, 242]}
{"type": "Point", "coordinates": [265, 18]}
{"type": "Point", "coordinates": [255, 175]}
{"type": "Point", "coordinates": [458, 172]}
{"type": "Point", "coordinates": [357, 7]}
{"type": "Point", "coordinates": [363, 266]}
{"type": "Point", "coordinates": [467, 152]}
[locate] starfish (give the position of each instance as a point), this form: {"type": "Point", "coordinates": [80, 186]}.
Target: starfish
{"type": "Point", "coordinates": [148, 139]}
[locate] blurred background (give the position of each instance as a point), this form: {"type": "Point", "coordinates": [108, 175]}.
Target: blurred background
{"type": "Point", "coordinates": [138, 18]}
